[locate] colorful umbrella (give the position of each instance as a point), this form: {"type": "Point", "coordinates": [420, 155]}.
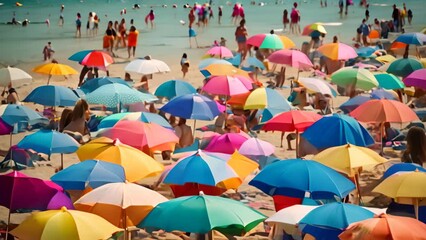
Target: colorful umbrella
{"type": "Point", "coordinates": [173, 88]}
{"type": "Point", "coordinates": [228, 85]}
{"type": "Point", "coordinates": [201, 214]}
{"type": "Point", "coordinates": [402, 167]}
{"type": "Point", "coordinates": [79, 56]}
{"type": "Point", "coordinates": [295, 177]}
{"type": "Point", "coordinates": [404, 66]}
{"type": "Point", "coordinates": [251, 62]}
{"type": "Point", "coordinates": [137, 165]}
{"type": "Point", "coordinates": [95, 83]}
{"type": "Point", "coordinates": [54, 69]}
{"type": "Point", "coordinates": [96, 59]}
{"type": "Point", "coordinates": [148, 137]}
{"type": "Point", "coordinates": [266, 98]}
{"type": "Point", "coordinates": [386, 58]}
{"type": "Point", "coordinates": [380, 93]}
{"type": "Point", "coordinates": [307, 30]}
{"type": "Point", "coordinates": [353, 103]}
{"type": "Point", "coordinates": [52, 96]}
{"type": "Point", "coordinates": [220, 51]}
{"type": "Point", "coordinates": [256, 147]}
{"type": "Point", "coordinates": [146, 117]}
{"type": "Point", "coordinates": [411, 38]}
{"type": "Point", "coordinates": [222, 69]}
{"type": "Point", "coordinates": [22, 158]}
{"type": "Point", "coordinates": [384, 110]}
{"type": "Point", "coordinates": [147, 66]}
{"type": "Point", "coordinates": [206, 62]}
{"type": "Point", "coordinates": [226, 143]}
{"type": "Point", "coordinates": [416, 79]}
{"type": "Point", "coordinates": [14, 76]}
{"type": "Point", "coordinates": [265, 41]}
{"type": "Point", "coordinates": [358, 77]}
{"type": "Point", "coordinates": [292, 58]}
{"type": "Point", "coordinates": [365, 51]}
{"type": "Point", "coordinates": [389, 81]}
{"type": "Point", "coordinates": [90, 173]}
{"type": "Point", "coordinates": [13, 114]}
{"type": "Point", "coordinates": [338, 51]}
{"type": "Point", "coordinates": [111, 120]}
{"type": "Point", "coordinates": [385, 227]}
{"type": "Point", "coordinates": [129, 204]}
{"type": "Point", "coordinates": [288, 43]}
{"type": "Point", "coordinates": [292, 120]}
{"type": "Point", "coordinates": [64, 224]}
{"type": "Point", "coordinates": [317, 86]}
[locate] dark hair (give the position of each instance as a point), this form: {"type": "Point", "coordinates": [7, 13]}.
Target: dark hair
{"type": "Point", "coordinates": [132, 29]}
{"type": "Point", "coordinates": [108, 32]}
{"type": "Point", "coordinates": [184, 55]}
{"type": "Point", "coordinates": [416, 145]}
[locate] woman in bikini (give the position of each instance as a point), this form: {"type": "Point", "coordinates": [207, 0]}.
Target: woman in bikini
{"type": "Point", "coordinates": [241, 38]}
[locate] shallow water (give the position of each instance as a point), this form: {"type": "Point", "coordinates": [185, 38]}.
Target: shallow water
{"type": "Point", "coordinates": [23, 45]}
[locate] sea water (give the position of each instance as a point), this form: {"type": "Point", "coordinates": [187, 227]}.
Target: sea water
{"type": "Point", "coordinates": [169, 39]}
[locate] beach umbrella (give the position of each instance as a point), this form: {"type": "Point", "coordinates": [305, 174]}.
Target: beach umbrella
{"type": "Point", "coordinates": [64, 224]}
{"type": "Point", "coordinates": [380, 93]}
{"type": "Point", "coordinates": [94, 58]}
{"type": "Point", "coordinates": [5, 128]}
{"type": "Point", "coordinates": [79, 56]}
{"type": "Point", "coordinates": [251, 62]}
{"type": "Point", "coordinates": [386, 58]}
{"type": "Point", "coordinates": [226, 143]}
{"type": "Point", "coordinates": [137, 165]}
{"type": "Point", "coordinates": [317, 86]}
{"type": "Point", "coordinates": [228, 85]}
{"type": "Point", "coordinates": [14, 77]}
{"type": "Point", "coordinates": [357, 77]}
{"type": "Point", "coordinates": [22, 158]}
{"type": "Point", "coordinates": [384, 227]}
{"type": "Point", "coordinates": [114, 95]}
{"type": "Point", "coordinates": [266, 98]}
{"type": "Point", "coordinates": [411, 38]}
{"type": "Point", "coordinates": [309, 29]}
{"type": "Point", "coordinates": [220, 51]}
{"type": "Point", "coordinates": [374, 34]}
{"type": "Point", "coordinates": [206, 62]}
{"type": "Point", "coordinates": [288, 43]}
{"type": "Point", "coordinates": [265, 41]}
{"type": "Point", "coordinates": [50, 95]}
{"type": "Point", "coordinates": [352, 103]}
{"type": "Point", "coordinates": [147, 66]}
{"type": "Point", "coordinates": [95, 83]}
{"type": "Point", "coordinates": [226, 171]}
{"type": "Point", "coordinates": [90, 173]}
{"type": "Point", "coordinates": [404, 66]}
{"type": "Point", "coordinates": [222, 69]}
{"type": "Point", "coordinates": [129, 204]}
{"type": "Point", "coordinates": [337, 51]}
{"type": "Point", "coordinates": [256, 147]}
{"type": "Point", "coordinates": [384, 110]}
{"type": "Point", "coordinates": [290, 216]}
{"type": "Point", "coordinates": [56, 69]}
{"type": "Point", "coordinates": [341, 130]}
{"type": "Point", "coordinates": [389, 81]}
{"type": "Point", "coordinates": [292, 58]}
{"type": "Point", "coordinates": [405, 188]}
{"type": "Point", "coordinates": [416, 79]}
{"type": "Point", "coordinates": [373, 62]}
{"type": "Point", "coordinates": [173, 88]}
{"type": "Point", "coordinates": [146, 117]}
{"type": "Point", "coordinates": [111, 120]}
{"type": "Point", "coordinates": [148, 137]}
{"type": "Point", "coordinates": [365, 51]}
{"type": "Point", "coordinates": [296, 177]}
{"type": "Point", "coordinates": [201, 214]}
{"type": "Point", "coordinates": [402, 167]}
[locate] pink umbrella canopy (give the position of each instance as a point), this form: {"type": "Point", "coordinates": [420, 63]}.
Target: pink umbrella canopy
{"type": "Point", "coordinates": [228, 85]}
{"type": "Point", "coordinates": [416, 79]}
{"type": "Point", "coordinates": [220, 51]}
{"type": "Point", "coordinates": [226, 143]}
{"type": "Point", "coordinates": [293, 58]}
{"type": "Point", "coordinates": [256, 147]}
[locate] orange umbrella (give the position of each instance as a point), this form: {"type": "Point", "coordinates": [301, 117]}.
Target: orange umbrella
{"type": "Point", "coordinates": [221, 69]}
{"type": "Point", "coordinates": [238, 100]}
{"type": "Point", "coordinates": [54, 69]}
{"type": "Point", "coordinates": [338, 51]}
{"type": "Point", "coordinates": [288, 43]}
{"type": "Point", "coordinates": [374, 34]}
{"type": "Point", "coordinates": [386, 227]}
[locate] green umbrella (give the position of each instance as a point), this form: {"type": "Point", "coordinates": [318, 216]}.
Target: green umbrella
{"type": "Point", "coordinates": [201, 214]}
{"type": "Point", "coordinates": [360, 77]}
{"type": "Point", "coordinates": [404, 66]}
{"type": "Point", "coordinates": [389, 81]}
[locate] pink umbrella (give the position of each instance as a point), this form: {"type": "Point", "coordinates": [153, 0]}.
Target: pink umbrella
{"type": "Point", "coordinates": [220, 106]}
{"type": "Point", "coordinates": [228, 85]}
{"type": "Point", "coordinates": [5, 128]}
{"type": "Point", "coordinates": [292, 58]}
{"type": "Point", "coordinates": [220, 51]}
{"type": "Point", "coordinates": [256, 147]}
{"type": "Point", "coordinates": [416, 79]}
{"type": "Point", "coordinates": [226, 143]}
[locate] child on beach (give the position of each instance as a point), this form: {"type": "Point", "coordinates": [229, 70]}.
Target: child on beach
{"type": "Point", "coordinates": [132, 40]}
{"type": "Point", "coordinates": [409, 16]}
{"type": "Point", "coordinates": [150, 18]}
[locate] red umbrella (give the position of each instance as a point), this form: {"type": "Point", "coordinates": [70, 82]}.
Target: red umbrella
{"type": "Point", "coordinates": [97, 59]}
{"type": "Point", "coordinates": [290, 121]}
{"type": "Point", "coordinates": [293, 58]}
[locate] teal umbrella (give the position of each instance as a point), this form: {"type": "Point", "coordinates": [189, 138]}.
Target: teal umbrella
{"type": "Point", "coordinates": [50, 95]}
{"type": "Point", "coordinates": [389, 81]}
{"type": "Point", "coordinates": [173, 88]}
{"type": "Point", "coordinates": [201, 214]}
{"type": "Point", "coordinates": [404, 66]}
{"type": "Point", "coordinates": [359, 77]}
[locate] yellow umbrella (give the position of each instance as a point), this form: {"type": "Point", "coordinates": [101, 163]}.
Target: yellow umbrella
{"type": "Point", "coordinates": [54, 69]}
{"type": "Point", "coordinates": [288, 43]}
{"type": "Point", "coordinates": [136, 164]}
{"type": "Point", "coordinates": [405, 188]}
{"type": "Point", "coordinates": [242, 166]}
{"type": "Point", "coordinates": [64, 224]}
{"type": "Point", "coordinates": [127, 206]}
{"type": "Point", "coordinates": [221, 69]}
{"type": "Point", "coordinates": [386, 58]}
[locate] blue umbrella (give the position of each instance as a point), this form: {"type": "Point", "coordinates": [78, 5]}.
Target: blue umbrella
{"type": "Point", "coordinates": [381, 93]}
{"type": "Point", "coordinates": [403, 167]}
{"type": "Point", "coordinates": [295, 177]}
{"type": "Point", "coordinates": [236, 61]}
{"type": "Point", "coordinates": [13, 114]}
{"type": "Point", "coordinates": [79, 56]}
{"type": "Point", "coordinates": [341, 130]}
{"type": "Point", "coordinates": [365, 51]}
{"type": "Point", "coordinates": [92, 173]}
{"type": "Point", "coordinates": [173, 88]}
{"type": "Point", "coordinates": [204, 63]}
{"type": "Point", "coordinates": [254, 62]}
{"type": "Point", "coordinates": [111, 120]}
{"type": "Point", "coordinates": [51, 95]}
{"type": "Point", "coordinates": [412, 38]}
{"type": "Point", "coordinates": [48, 142]}
{"type": "Point", "coordinates": [404, 66]}
{"type": "Point", "coordinates": [353, 103]}
{"type": "Point", "coordinates": [93, 84]}
{"type": "Point", "coordinates": [321, 233]}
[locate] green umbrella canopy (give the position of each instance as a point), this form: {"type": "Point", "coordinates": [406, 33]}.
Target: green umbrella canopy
{"type": "Point", "coordinates": [389, 81]}
{"type": "Point", "coordinates": [404, 66]}
{"type": "Point", "coordinates": [360, 77]}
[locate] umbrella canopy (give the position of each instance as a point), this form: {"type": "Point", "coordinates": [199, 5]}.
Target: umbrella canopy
{"type": "Point", "coordinates": [95, 83]}
{"type": "Point", "coordinates": [380, 93]}
{"type": "Point", "coordinates": [386, 58]}
{"type": "Point", "coordinates": [49, 141]}
{"type": "Point", "coordinates": [12, 114]}
{"type": "Point", "coordinates": [256, 147]}
{"type": "Point", "coordinates": [129, 204]}
{"type": "Point", "coordinates": [14, 76]}
{"type": "Point", "coordinates": [52, 96]}
{"type": "Point", "coordinates": [146, 117]}
{"type": "Point", "coordinates": [266, 98]}
{"type": "Point", "coordinates": [402, 167]}
{"type": "Point", "coordinates": [111, 120]}
{"type": "Point", "coordinates": [318, 86]}
{"type": "Point", "coordinates": [358, 77]}
{"type": "Point", "coordinates": [292, 58]}
{"type": "Point", "coordinates": [228, 85]}
{"type": "Point", "coordinates": [348, 158]}
{"type": "Point", "coordinates": [137, 165]}
{"type": "Point", "coordinates": [338, 51]}
{"type": "Point", "coordinates": [79, 56]}
{"type": "Point", "coordinates": [222, 69]}
{"type": "Point", "coordinates": [384, 110]}
{"type": "Point", "coordinates": [295, 177]}
{"type": "Point", "coordinates": [288, 43]}
{"type": "Point", "coordinates": [220, 51]}
{"type": "Point", "coordinates": [173, 88]}
{"type": "Point", "coordinates": [389, 81]}
{"type": "Point", "coordinates": [22, 158]}
{"type": "Point", "coordinates": [404, 185]}
{"type": "Point", "coordinates": [55, 69]}
{"type": "Point", "coordinates": [414, 38]}
{"type": "Point", "coordinates": [206, 62]}
{"type": "Point", "coordinates": [64, 224]}
{"type": "Point", "coordinates": [226, 143]}
{"type": "Point", "coordinates": [416, 79]}
{"type": "Point", "coordinates": [96, 59]}
{"type": "Point", "coordinates": [353, 103]}
{"type": "Point", "coordinates": [365, 51]}
{"type": "Point", "coordinates": [251, 62]}
{"type": "Point", "coordinates": [192, 106]}
{"type": "Point", "coordinates": [385, 227]}
{"type": "Point", "coordinates": [307, 30]}
{"type": "Point", "coordinates": [265, 41]}
{"type": "Point", "coordinates": [342, 130]}
{"type": "Point", "coordinates": [90, 173]}
{"type": "Point", "coordinates": [147, 66]}
{"type": "Point", "coordinates": [201, 214]}
{"type": "Point", "coordinates": [148, 137]}
{"type": "Point", "coordinates": [292, 120]}
{"type": "Point", "coordinates": [404, 66]}
{"type": "Point", "coordinates": [112, 95]}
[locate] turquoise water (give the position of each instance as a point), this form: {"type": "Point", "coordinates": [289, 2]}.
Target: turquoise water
{"type": "Point", "coordinates": [23, 45]}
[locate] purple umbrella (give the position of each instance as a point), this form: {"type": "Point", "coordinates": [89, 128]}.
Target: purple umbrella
{"type": "Point", "coordinates": [226, 143]}
{"type": "Point", "coordinates": [256, 147]}
{"type": "Point", "coordinates": [5, 128]}
{"type": "Point", "coordinates": [416, 79]}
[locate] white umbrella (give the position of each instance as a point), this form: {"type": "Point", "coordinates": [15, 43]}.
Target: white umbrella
{"type": "Point", "coordinates": [318, 85]}
{"type": "Point", "coordinates": [147, 66]}
{"type": "Point", "coordinates": [15, 76]}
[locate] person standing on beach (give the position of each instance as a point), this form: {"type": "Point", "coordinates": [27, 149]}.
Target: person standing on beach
{"type": "Point", "coordinates": [78, 26]}
{"type": "Point", "coordinates": [367, 12]}
{"type": "Point", "coordinates": [132, 40]}
{"type": "Point", "coordinates": [220, 13]}
{"type": "Point", "coordinates": [295, 18]}
{"type": "Point", "coordinates": [241, 38]}
{"type": "Point", "coordinates": [184, 63]}
{"type": "Point", "coordinates": [61, 16]}
{"type": "Point", "coordinates": [409, 16]}
{"type": "Point", "coordinates": [285, 19]}
{"type": "Point", "coordinates": [150, 18]}
{"type": "Point", "coordinates": [191, 17]}
{"type": "Point", "coordinates": [365, 32]}
{"type": "Point", "coordinates": [108, 42]}
{"type": "Point", "coordinates": [48, 51]}
{"type": "Point", "coordinates": [348, 2]}
{"type": "Point", "coordinates": [396, 18]}
{"type": "Point", "coordinates": [122, 30]}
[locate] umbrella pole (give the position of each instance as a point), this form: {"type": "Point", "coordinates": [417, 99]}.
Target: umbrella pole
{"type": "Point", "coordinates": [48, 80]}
{"type": "Point", "coordinates": [416, 208]}
{"type": "Point", "coordinates": [193, 130]}
{"type": "Point", "coordinates": [358, 188]}
{"type": "Point", "coordinates": [125, 225]}
{"type": "Point", "coordinates": [62, 161]}
{"type": "Point", "coordinates": [7, 227]}
{"type": "Point", "coordinates": [297, 143]}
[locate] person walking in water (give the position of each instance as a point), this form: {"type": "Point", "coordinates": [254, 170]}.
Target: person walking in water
{"type": "Point", "coordinates": [61, 16]}
{"type": "Point", "coordinates": [241, 38]}
{"type": "Point", "coordinates": [150, 18]}
{"type": "Point", "coordinates": [78, 26]}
